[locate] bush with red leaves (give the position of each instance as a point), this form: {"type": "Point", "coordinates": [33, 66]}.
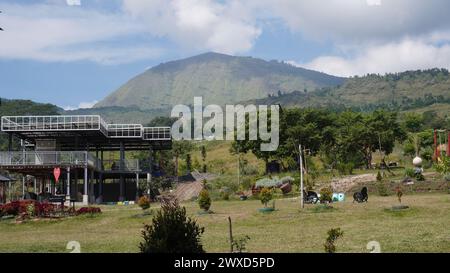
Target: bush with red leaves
{"type": "Point", "coordinates": [22, 207]}
{"type": "Point", "coordinates": [88, 210]}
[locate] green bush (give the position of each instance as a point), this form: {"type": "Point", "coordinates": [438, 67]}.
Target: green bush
{"type": "Point", "coordinates": [379, 176]}
{"type": "Point", "coordinates": [345, 168]}
{"type": "Point", "coordinates": [225, 193]}
{"type": "Point", "coordinates": [382, 189]}
{"type": "Point", "coordinates": [326, 195]}
{"type": "Point", "coordinates": [172, 231]}
{"type": "Point", "coordinates": [333, 235]}
{"type": "Point", "coordinates": [268, 182]}
{"type": "Point", "coordinates": [204, 200]}
{"type": "Point", "coordinates": [409, 172]}
{"type": "Point", "coordinates": [265, 196]}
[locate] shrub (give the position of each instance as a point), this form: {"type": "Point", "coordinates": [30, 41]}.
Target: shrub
{"type": "Point", "coordinates": [326, 195]}
{"type": "Point", "coordinates": [265, 196]}
{"type": "Point", "coordinates": [409, 172]}
{"type": "Point", "coordinates": [172, 231]}
{"type": "Point", "coordinates": [29, 208]}
{"type": "Point", "coordinates": [144, 202]}
{"type": "Point", "coordinates": [287, 179]}
{"type": "Point", "coordinates": [204, 200]}
{"type": "Point", "coordinates": [240, 244]}
{"type": "Point", "coordinates": [345, 168]}
{"type": "Point", "coordinates": [447, 177]}
{"type": "Point", "coordinates": [333, 235]}
{"type": "Point", "coordinates": [379, 176]}
{"type": "Point", "coordinates": [382, 189]}
{"type": "Point", "coordinates": [88, 210]}
{"type": "Point", "coordinates": [225, 193]}
{"type": "Point", "coordinates": [268, 182]}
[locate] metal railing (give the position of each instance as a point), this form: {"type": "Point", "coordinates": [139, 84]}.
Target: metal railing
{"type": "Point", "coordinates": [125, 130]}
{"type": "Point", "coordinates": [82, 123]}
{"type": "Point", "coordinates": [114, 165]}
{"type": "Point", "coordinates": [157, 133]}
{"type": "Point", "coordinates": [53, 123]}
{"type": "Point", "coordinates": [65, 159]}
{"type": "Point", "coordinates": [43, 158]}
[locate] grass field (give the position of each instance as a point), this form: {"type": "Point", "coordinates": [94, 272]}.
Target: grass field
{"type": "Point", "coordinates": [422, 228]}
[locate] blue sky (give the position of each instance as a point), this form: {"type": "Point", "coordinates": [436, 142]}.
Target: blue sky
{"type": "Point", "coordinates": [75, 52]}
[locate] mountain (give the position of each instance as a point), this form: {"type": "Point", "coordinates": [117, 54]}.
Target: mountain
{"type": "Point", "coordinates": [400, 91]}
{"type": "Point", "coordinates": [220, 79]}
{"type": "Point", "coordinates": [27, 107]}
{"type": "Point", "coordinates": [22, 108]}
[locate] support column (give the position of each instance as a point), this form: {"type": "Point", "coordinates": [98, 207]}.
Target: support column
{"type": "Point", "coordinates": [137, 187]}
{"type": "Point", "coordinates": [100, 188]}
{"type": "Point", "coordinates": [9, 142]}
{"type": "Point", "coordinates": [150, 169]}
{"type": "Point", "coordinates": [121, 168]}
{"type": "Point", "coordinates": [35, 185]}
{"type": "Point", "coordinates": [91, 188]}
{"type": "Point", "coordinates": [100, 177]}
{"type": "Point", "coordinates": [86, 181]}
{"type": "Point", "coordinates": [23, 187]}
{"type": "Point", "coordinates": [68, 185]}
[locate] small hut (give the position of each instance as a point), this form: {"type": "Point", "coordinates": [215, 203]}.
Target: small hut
{"type": "Point", "coordinates": [5, 182]}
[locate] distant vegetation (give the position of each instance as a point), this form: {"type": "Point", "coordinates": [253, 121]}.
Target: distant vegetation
{"type": "Point", "coordinates": [24, 107]}
{"type": "Point", "coordinates": [401, 91]}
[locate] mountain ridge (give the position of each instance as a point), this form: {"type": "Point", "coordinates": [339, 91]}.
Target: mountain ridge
{"type": "Point", "coordinates": [218, 78]}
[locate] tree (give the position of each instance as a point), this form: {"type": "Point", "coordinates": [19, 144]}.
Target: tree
{"type": "Point", "coordinates": [172, 231]}
{"type": "Point", "coordinates": [413, 122]}
{"type": "Point", "coordinates": [204, 200]}
{"type": "Point", "coordinates": [204, 169]}
{"type": "Point", "coordinates": [188, 163]}
{"type": "Point", "coordinates": [179, 149]}
{"type": "Point", "coordinates": [359, 135]}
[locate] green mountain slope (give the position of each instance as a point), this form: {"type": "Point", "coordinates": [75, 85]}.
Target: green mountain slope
{"type": "Point", "coordinates": [400, 91]}
{"type": "Point", "coordinates": [220, 79]}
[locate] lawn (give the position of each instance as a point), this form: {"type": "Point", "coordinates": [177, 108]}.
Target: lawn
{"type": "Point", "coordinates": [423, 228]}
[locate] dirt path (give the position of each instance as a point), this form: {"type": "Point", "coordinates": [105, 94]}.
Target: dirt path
{"type": "Point", "coordinates": [188, 190]}
{"type": "Point", "coordinates": [344, 184]}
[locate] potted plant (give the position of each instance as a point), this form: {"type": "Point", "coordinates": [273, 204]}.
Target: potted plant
{"type": "Point", "coordinates": [265, 196]}
{"type": "Point", "coordinates": [399, 192]}
{"type": "Point", "coordinates": [144, 203]}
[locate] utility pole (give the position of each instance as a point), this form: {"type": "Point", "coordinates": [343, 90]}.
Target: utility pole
{"type": "Point", "coordinates": [301, 176]}
{"type": "Point", "coordinates": [239, 166]}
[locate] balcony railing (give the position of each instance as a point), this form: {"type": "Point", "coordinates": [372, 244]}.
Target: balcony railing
{"type": "Point", "coordinates": [53, 123]}
{"type": "Point", "coordinates": [82, 123]}
{"type": "Point", "coordinates": [114, 165]}
{"type": "Point", "coordinates": [125, 130]}
{"type": "Point", "coordinates": [157, 133]}
{"type": "Point", "coordinates": [43, 158]}
{"type": "Point", "coordinates": [64, 159]}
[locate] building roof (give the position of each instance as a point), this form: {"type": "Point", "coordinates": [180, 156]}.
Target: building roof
{"type": "Point", "coordinates": [6, 179]}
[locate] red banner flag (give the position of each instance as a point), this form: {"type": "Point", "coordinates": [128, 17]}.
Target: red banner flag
{"type": "Point", "coordinates": [57, 173]}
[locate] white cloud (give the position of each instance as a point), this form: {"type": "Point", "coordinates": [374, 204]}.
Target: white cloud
{"type": "Point", "coordinates": [82, 105]}
{"type": "Point", "coordinates": [226, 27]}
{"type": "Point", "coordinates": [73, 2]}
{"type": "Point", "coordinates": [373, 2]}
{"type": "Point", "coordinates": [358, 20]}
{"type": "Point", "coordinates": [408, 54]}
{"type": "Point", "coordinates": [46, 32]}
